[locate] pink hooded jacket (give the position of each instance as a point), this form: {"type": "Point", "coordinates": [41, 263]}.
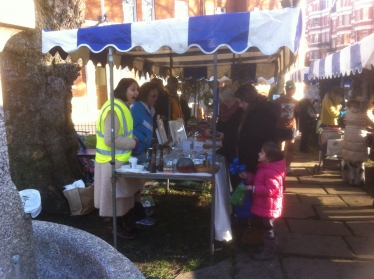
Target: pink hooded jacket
{"type": "Point", "coordinates": [267, 194]}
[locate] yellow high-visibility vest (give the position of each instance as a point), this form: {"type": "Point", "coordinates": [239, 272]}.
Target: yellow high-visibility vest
{"type": "Point", "coordinates": [103, 151]}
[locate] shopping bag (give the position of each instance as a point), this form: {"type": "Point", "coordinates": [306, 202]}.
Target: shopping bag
{"type": "Point", "coordinates": [238, 196]}
{"type": "Point", "coordinates": [244, 211]}
{"type": "Point", "coordinates": [81, 200]}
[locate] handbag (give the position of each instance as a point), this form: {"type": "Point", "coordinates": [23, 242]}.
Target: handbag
{"type": "Point", "coordinates": [81, 200]}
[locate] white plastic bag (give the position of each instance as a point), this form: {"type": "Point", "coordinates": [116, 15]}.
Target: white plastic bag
{"type": "Point", "coordinates": [32, 201]}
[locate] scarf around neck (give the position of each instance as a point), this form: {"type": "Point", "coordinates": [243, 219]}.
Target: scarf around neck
{"type": "Point", "coordinates": [225, 113]}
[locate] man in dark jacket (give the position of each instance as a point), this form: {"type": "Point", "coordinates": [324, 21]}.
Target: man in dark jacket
{"type": "Point", "coordinates": [307, 121]}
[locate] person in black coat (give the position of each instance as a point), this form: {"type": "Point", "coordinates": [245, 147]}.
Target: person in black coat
{"type": "Point", "coordinates": [307, 122]}
{"type": "Point", "coordinates": [162, 107]}
{"type": "Point", "coordinates": [230, 116]}
{"type": "Point", "coordinates": [259, 125]}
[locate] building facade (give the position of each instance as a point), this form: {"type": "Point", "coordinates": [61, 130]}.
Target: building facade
{"type": "Point", "coordinates": [332, 25]}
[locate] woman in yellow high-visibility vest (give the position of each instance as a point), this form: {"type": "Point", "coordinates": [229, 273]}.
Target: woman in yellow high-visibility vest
{"type": "Point", "coordinates": [125, 94]}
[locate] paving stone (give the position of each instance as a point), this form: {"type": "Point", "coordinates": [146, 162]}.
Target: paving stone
{"type": "Point", "coordinates": [220, 270]}
{"type": "Point", "coordinates": [314, 245]}
{"type": "Point", "coordinates": [362, 246]}
{"type": "Point", "coordinates": [307, 164]}
{"type": "Point", "coordinates": [328, 200]}
{"type": "Point", "coordinates": [305, 268]}
{"type": "Point", "coordinates": [318, 227]}
{"type": "Point", "coordinates": [290, 198]}
{"type": "Point", "coordinates": [298, 211]}
{"type": "Point", "coordinates": [345, 213]}
{"type": "Point", "coordinates": [248, 268]}
{"type": "Point", "coordinates": [321, 180]}
{"type": "Point", "coordinates": [344, 190]}
{"type": "Point", "coordinates": [300, 172]}
{"type": "Point", "coordinates": [357, 200]}
{"type": "Point", "coordinates": [361, 228]}
{"type": "Point", "coordinates": [290, 179]}
{"type": "Point", "coordinates": [305, 189]}
{"type": "Point", "coordinates": [281, 226]}
{"type": "Point", "coordinates": [325, 173]}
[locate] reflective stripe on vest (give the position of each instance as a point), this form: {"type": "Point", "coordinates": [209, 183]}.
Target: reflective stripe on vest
{"type": "Point", "coordinates": [103, 151]}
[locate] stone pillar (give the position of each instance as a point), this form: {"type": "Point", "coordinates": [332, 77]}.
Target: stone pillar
{"type": "Point", "coordinates": [17, 258]}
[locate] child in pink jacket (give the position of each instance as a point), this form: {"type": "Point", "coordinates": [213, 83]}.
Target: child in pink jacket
{"type": "Point", "coordinates": [267, 194]}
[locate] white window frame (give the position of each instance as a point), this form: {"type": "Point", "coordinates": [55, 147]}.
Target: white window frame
{"type": "Point", "coordinates": [365, 13]}
{"type": "Point", "coordinates": [346, 20]}
{"type": "Point", "coordinates": [148, 11]}
{"type": "Point", "coordinates": [129, 11]}
{"type": "Point", "coordinates": [181, 8]}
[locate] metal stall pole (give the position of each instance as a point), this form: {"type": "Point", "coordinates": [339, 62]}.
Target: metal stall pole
{"type": "Point", "coordinates": [112, 162]}
{"type": "Point", "coordinates": [169, 116]}
{"type": "Point", "coordinates": [213, 189]}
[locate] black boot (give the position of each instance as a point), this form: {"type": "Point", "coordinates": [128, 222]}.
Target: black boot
{"type": "Point", "coordinates": [123, 232]}
{"type": "Point", "coordinates": [139, 212]}
{"type": "Point", "coordinates": [129, 221]}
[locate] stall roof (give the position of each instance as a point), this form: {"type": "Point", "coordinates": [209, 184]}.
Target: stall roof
{"type": "Point", "coordinates": [250, 37]}
{"type": "Point", "coordinates": [346, 61]}
{"type": "Point", "coordinates": [300, 75]}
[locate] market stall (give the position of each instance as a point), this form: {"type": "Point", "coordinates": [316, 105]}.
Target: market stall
{"type": "Point", "coordinates": [259, 37]}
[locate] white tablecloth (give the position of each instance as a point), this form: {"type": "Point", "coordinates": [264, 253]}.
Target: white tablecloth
{"type": "Point", "coordinates": [222, 217]}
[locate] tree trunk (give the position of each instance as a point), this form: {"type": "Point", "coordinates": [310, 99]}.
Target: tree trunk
{"type": "Point", "coordinates": [37, 97]}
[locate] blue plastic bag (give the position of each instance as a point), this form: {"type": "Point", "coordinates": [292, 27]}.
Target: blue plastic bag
{"type": "Point", "coordinates": [244, 211]}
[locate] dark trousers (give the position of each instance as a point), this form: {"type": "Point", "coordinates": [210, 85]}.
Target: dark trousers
{"type": "Point", "coordinates": [268, 224]}
{"type": "Point", "coordinates": [305, 136]}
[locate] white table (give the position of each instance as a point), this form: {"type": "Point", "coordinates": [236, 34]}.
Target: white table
{"type": "Point", "coordinates": [221, 191]}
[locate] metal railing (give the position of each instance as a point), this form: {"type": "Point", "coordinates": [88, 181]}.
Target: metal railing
{"type": "Point", "coordinates": [88, 128]}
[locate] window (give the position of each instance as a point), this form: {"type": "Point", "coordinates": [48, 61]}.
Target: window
{"type": "Point", "coordinates": [333, 43]}
{"type": "Point", "coordinates": [316, 22]}
{"type": "Point", "coordinates": [220, 10]}
{"type": "Point", "coordinates": [346, 20]}
{"type": "Point", "coordinates": [315, 54]}
{"type": "Point", "coordinates": [365, 13]}
{"type": "Point", "coordinates": [129, 10]}
{"type": "Point", "coordinates": [364, 33]}
{"type": "Point", "coordinates": [357, 15]}
{"type": "Point", "coordinates": [357, 36]}
{"type": "Point", "coordinates": [323, 38]}
{"type": "Point", "coordinates": [148, 10]}
{"type": "Point", "coordinates": [316, 38]}
{"type": "Point", "coordinates": [340, 20]}
{"type": "Point", "coordinates": [181, 9]}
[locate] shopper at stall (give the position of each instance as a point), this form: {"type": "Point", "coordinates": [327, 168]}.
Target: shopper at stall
{"type": "Point", "coordinates": [171, 88]}
{"type": "Point", "coordinates": [355, 152]}
{"type": "Point", "coordinates": [307, 117]}
{"type": "Point", "coordinates": [186, 110]}
{"type": "Point", "coordinates": [143, 112]}
{"type": "Point", "coordinates": [331, 107]}
{"type": "Point", "coordinates": [162, 106]}
{"type": "Point", "coordinates": [230, 115]}
{"type": "Point", "coordinates": [267, 194]}
{"type": "Point", "coordinates": [287, 109]}
{"type": "Point", "coordinates": [125, 94]}
{"type": "Point", "coordinates": [258, 125]}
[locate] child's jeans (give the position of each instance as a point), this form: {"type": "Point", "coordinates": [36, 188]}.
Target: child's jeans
{"type": "Point", "coordinates": [268, 224]}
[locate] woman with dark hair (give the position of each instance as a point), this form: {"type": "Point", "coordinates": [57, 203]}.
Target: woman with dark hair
{"type": "Point", "coordinates": [143, 112]}
{"type": "Point", "coordinates": [125, 94]}
{"type": "Point", "coordinates": [258, 125]}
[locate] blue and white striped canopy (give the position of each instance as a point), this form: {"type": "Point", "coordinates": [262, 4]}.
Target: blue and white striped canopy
{"type": "Point", "coordinates": [256, 37]}
{"type": "Point", "coordinates": [300, 75]}
{"type": "Point", "coordinates": [346, 61]}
